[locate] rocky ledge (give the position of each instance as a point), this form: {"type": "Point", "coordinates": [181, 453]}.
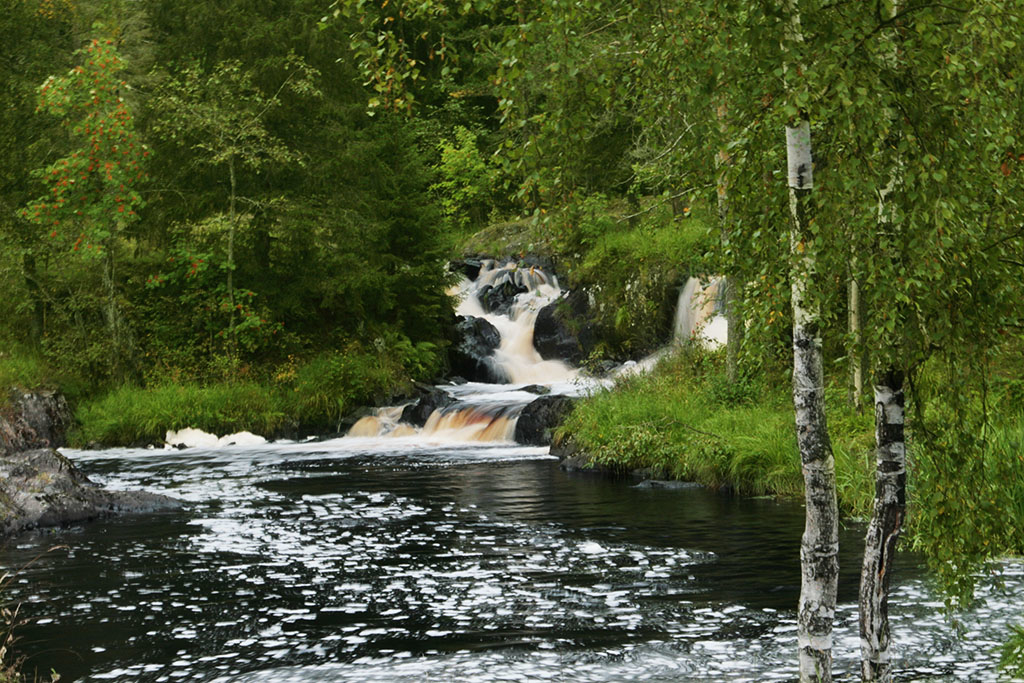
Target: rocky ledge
{"type": "Point", "coordinates": [39, 486]}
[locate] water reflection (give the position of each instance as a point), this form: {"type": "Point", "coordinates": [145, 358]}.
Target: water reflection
{"type": "Point", "coordinates": [338, 562]}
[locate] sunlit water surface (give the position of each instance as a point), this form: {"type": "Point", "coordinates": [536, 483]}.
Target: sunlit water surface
{"type": "Point", "coordinates": [383, 560]}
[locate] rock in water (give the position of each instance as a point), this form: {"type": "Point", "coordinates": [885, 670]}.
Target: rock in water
{"type": "Point", "coordinates": [563, 330]}
{"type": "Point", "coordinates": [43, 488]}
{"type": "Point", "coordinates": [417, 413]}
{"type": "Point", "coordinates": [471, 355]}
{"type": "Point", "coordinates": [540, 418]}
{"type": "Point", "coordinates": [500, 297]}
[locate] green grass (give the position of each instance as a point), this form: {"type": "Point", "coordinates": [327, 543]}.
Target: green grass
{"type": "Point", "coordinates": [23, 369]}
{"type": "Point", "coordinates": [131, 414]}
{"type": "Point", "coordinates": [685, 422]}
{"type": "Point", "coordinates": [313, 395]}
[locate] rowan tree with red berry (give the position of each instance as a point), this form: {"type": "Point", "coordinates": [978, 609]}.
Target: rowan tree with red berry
{"type": "Point", "coordinates": [92, 192]}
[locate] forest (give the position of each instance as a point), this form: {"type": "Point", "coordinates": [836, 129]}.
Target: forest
{"type": "Point", "coordinates": [240, 215]}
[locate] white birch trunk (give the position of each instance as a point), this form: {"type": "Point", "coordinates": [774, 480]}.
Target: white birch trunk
{"type": "Point", "coordinates": [890, 502]}
{"type": "Point", "coordinates": [819, 546]}
{"type": "Point", "coordinates": [884, 529]}
{"type": "Point", "coordinates": [853, 318]}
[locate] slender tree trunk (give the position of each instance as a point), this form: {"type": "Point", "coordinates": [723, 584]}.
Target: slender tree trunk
{"type": "Point", "coordinates": [853, 318]}
{"type": "Point", "coordinates": [231, 254]}
{"type": "Point", "coordinates": [734, 328]}
{"type": "Point", "coordinates": [112, 314]}
{"type": "Point", "coordinates": [819, 546]}
{"type": "Point", "coordinates": [31, 275]}
{"type": "Point", "coordinates": [885, 526]}
{"type": "Point", "coordinates": [890, 502]}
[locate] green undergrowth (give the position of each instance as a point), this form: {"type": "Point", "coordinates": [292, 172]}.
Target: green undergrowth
{"type": "Point", "coordinates": [23, 369]}
{"type": "Point", "coordinates": [1012, 655]}
{"type": "Point", "coordinates": [312, 396]}
{"type": "Point", "coordinates": [685, 421]}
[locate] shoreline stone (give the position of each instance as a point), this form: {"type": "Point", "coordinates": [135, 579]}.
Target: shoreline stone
{"type": "Point", "coordinates": [39, 487]}
{"type": "Point", "coordinates": [42, 488]}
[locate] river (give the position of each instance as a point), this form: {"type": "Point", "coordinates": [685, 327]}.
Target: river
{"type": "Point", "coordinates": [384, 560]}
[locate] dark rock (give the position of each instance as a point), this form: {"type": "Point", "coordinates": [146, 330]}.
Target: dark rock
{"type": "Point", "coordinates": [670, 484]}
{"type": "Point", "coordinates": [499, 297]}
{"type": "Point", "coordinates": [539, 419]}
{"type": "Point", "coordinates": [34, 420]}
{"type": "Point", "coordinates": [538, 389]}
{"type": "Point", "coordinates": [563, 330]}
{"type": "Point", "coordinates": [41, 487]}
{"type": "Point", "coordinates": [471, 355]}
{"type": "Point", "coordinates": [419, 411]}
{"type": "Point", "coordinates": [470, 267]}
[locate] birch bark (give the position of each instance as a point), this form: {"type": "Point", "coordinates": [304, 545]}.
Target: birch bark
{"type": "Point", "coordinates": [819, 546]}
{"type": "Point", "coordinates": [890, 502]}
{"type": "Point", "coordinates": [884, 529]}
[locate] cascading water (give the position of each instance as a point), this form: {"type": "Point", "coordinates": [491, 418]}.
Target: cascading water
{"type": "Point", "coordinates": [699, 314]}
{"type": "Point", "coordinates": [509, 297]}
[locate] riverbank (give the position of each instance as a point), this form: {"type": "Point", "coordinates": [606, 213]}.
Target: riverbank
{"type": "Point", "coordinates": [684, 421]}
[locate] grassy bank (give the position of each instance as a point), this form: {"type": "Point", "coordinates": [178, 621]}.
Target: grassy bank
{"type": "Point", "coordinates": [310, 396]}
{"type": "Point", "coordinates": [687, 422]}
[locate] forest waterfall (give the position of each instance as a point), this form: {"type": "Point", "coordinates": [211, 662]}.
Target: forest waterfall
{"type": "Point", "coordinates": [485, 412]}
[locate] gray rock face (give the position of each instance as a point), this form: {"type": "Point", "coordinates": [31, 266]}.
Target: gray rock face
{"type": "Point", "coordinates": [417, 413]}
{"type": "Point", "coordinates": [563, 331]}
{"type": "Point", "coordinates": [43, 488]}
{"type": "Point", "coordinates": [540, 418]}
{"type": "Point", "coordinates": [34, 420]}
{"type": "Point", "coordinates": [470, 356]}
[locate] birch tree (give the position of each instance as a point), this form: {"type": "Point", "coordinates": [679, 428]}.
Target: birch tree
{"type": "Point", "coordinates": [819, 546]}
{"type": "Point", "coordinates": [890, 501]}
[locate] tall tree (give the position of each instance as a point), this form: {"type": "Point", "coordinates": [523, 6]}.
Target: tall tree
{"type": "Point", "coordinates": [222, 114]}
{"type": "Point", "coordinates": [819, 546]}
{"type": "Point", "coordinates": [92, 193]}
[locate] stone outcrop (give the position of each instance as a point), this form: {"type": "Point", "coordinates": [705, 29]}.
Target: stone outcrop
{"type": "Point", "coordinates": [43, 488]}
{"type": "Point", "coordinates": [39, 486]}
{"type": "Point", "coordinates": [499, 297]}
{"type": "Point", "coordinates": [540, 418]}
{"type": "Point", "coordinates": [563, 331]}
{"type": "Point", "coordinates": [417, 412]}
{"type": "Point", "coordinates": [33, 420]}
{"type": "Point", "coordinates": [470, 355]}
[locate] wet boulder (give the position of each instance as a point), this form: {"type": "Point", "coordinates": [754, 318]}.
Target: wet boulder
{"type": "Point", "coordinates": [499, 297]}
{"type": "Point", "coordinates": [41, 488]}
{"type": "Point", "coordinates": [471, 354]}
{"type": "Point", "coordinates": [470, 267]}
{"type": "Point", "coordinates": [563, 330]}
{"type": "Point", "coordinates": [539, 419]}
{"type": "Point", "coordinates": [417, 412]}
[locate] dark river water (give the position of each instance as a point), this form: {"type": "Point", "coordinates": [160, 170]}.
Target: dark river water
{"type": "Point", "coordinates": [384, 560]}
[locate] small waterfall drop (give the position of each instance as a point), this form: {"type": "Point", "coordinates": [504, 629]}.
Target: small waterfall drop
{"type": "Point", "coordinates": [699, 314]}
{"type": "Point", "coordinates": [509, 297]}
